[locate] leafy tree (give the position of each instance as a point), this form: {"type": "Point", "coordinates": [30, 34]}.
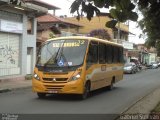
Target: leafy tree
{"type": "Point", "coordinates": [122, 10]}
{"type": "Point", "coordinates": [150, 24]}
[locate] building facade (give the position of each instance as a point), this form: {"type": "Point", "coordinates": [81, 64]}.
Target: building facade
{"type": "Point", "coordinates": [17, 42]}
{"type": "Point", "coordinates": [98, 22]}
{"type": "Point", "coordinates": [48, 24]}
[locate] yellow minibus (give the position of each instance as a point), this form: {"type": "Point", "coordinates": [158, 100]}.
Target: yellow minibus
{"type": "Point", "coordinates": [77, 65]}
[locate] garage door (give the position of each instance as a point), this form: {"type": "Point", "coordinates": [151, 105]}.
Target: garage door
{"type": "Point", "coordinates": [9, 54]}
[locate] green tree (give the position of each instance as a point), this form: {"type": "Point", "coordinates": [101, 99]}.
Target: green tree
{"type": "Point", "coordinates": [123, 10]}
{"type": "Point", "coordinates": [150, 24]}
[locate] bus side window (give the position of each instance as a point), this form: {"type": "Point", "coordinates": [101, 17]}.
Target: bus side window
{"type": "Point", "coordinates": [102, 52]}
{"type": "Point", "coordinates": [121, 55]}
{"type": "Point", "coordinates": [109, 54]}
{"type": "Point", "coordinates": [93, 52]}
{"type": "Point", "coordinates": [115, 54]}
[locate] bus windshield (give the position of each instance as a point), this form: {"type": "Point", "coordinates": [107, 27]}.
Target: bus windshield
{"type": "Point", "coordinates": [62, 53]}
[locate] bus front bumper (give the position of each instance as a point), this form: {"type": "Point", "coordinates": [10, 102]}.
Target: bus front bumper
{"type": "Point", "coordinates": [72, 87]}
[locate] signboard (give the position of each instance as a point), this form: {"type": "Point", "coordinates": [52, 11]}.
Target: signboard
{"type": "Point", "coordinates": [9, 26]}
{"type": "Point", "coordinates": [127, 45]}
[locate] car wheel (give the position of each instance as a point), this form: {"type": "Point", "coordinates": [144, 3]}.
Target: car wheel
{"type": "Point", "coordinates": [132, 72]}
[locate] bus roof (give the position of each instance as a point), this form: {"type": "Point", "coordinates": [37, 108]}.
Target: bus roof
{"type": "Point", "coordinates": [86, 38]}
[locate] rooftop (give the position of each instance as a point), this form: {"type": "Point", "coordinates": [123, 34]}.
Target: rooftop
{"type": "Point", "coordinates": [43, 4]}
{"type": "Point", "coordinates": [41, 27]}
{"type": "Point", "coordinates": [53, 19]}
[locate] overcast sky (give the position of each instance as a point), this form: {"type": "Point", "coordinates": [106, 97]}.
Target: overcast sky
{"type": "Point", "coordinates": [65, 5]}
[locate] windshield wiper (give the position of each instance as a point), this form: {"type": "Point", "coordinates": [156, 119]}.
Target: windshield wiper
{"type": "Point", "coordinates": [54, 56]}
{"type": "Point", "coordinates": [61, 55]}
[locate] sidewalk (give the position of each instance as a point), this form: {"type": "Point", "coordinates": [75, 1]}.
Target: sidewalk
{"type": "Point", "coordinates": [16, 82]}
{"type": "Point", "coordinates": [142, 109]}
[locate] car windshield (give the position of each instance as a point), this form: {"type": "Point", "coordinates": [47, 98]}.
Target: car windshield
{"type": "Point", "coordinates": [62, 53]}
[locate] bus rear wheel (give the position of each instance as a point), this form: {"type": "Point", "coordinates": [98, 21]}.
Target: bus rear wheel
{"type": "Point", "coordinates": [41, 95]}
{"type": "Point", "coordinates": [85, 92]}
{"type": "Point", "coordinates": [111, 86]}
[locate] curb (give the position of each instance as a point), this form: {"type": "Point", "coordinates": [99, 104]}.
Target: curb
{"type": "Point", "coordinates": [133, 108]}
{"type": "Point", "coordinates": [13, 89]}
{"type": "Point", "coordinates": [4, 90]}
{"type": "Point", "coordinates": [12, 78]}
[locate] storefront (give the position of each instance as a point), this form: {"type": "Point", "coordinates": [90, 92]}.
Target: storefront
{"type": "Point", "coordinates": [11, 30]}
{"type": "Point", "coordinates": [9, 54]}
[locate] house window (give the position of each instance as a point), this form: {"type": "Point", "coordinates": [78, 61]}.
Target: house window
{"type": "Point", "coordinates": [30, 26]}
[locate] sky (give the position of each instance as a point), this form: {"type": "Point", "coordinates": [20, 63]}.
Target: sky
{"type": "Point", "coordinates": [65, 5]}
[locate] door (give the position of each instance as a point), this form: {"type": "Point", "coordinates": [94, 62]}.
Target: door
{"type": "Point", "coordinates": [29, 60]}
{"type": "Point", "coordinates": [9, 54]}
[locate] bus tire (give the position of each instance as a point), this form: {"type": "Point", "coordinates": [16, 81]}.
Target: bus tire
{"type": "Point", "coordinates": [41, 95]}
{"type": "Point", "coordinates": [111, 86]}
{"type": "Point", "coordinates": [86, 91]}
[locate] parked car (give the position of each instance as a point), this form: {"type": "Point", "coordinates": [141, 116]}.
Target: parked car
{"type": "Point", "coordinates": [152, 65]}
{"type": "Point", "coordinates": [158, 64]}
{"type": "Point", "coordinates": [138, 64]}
{"type": "Point", "coordinates": [130, 68]}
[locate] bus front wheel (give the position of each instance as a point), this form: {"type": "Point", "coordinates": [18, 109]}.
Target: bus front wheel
{"type": "Point", "coordinates": [41, 95]}
{"type": "Point", "coordinates": [86, 91]}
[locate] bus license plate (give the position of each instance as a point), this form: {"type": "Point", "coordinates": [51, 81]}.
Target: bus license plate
{"type": "Point", "coordinates": [53, 91]}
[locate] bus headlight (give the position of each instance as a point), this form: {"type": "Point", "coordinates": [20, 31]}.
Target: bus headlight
{"type": "Point", "coordinates": [36, 76]}
{"type": "Point", "coordinates": [75, 77]}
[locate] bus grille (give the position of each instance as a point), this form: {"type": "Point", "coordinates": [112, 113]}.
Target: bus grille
{"type": "Point", "coordinates": [53, 87]}
{"type": "Point", "coordinates": [55, 80]}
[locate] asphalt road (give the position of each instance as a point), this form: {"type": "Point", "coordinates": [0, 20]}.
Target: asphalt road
{"type": "Point", "coordinates": [125, 93]}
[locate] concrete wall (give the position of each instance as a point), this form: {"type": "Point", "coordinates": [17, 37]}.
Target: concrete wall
{"type": "Point", "coordinates": [28, 41]}
{"type": "Point", "coordinates": [95, 23]}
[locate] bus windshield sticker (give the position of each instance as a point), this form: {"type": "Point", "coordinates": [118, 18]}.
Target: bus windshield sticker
{"type": "Point", "coordinates": [61, 63]}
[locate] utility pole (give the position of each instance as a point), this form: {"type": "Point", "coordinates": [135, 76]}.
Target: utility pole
{"type": "Point", "coordinates": [118, 31]}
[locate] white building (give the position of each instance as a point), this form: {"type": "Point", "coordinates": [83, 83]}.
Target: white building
{"type": "Point", "coordinates": [18, 36]}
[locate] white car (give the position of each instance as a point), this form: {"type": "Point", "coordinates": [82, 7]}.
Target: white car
{"type": "Point", "coordinates": [158, 64]}
{"type": "Point", "coordinates": [154, 65]}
